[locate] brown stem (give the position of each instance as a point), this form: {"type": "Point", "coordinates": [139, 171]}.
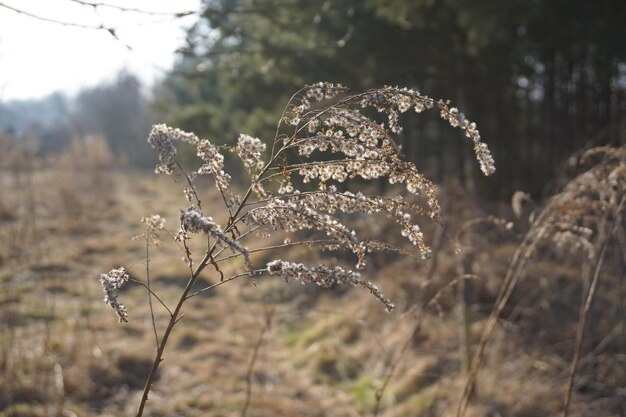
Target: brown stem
{"type": "Point", "coordinates": [520, 258]}
{"type": "Point", "coordinates": [580, 330]}
{"type": "Point", "coordinates": [584, 314]}
{"type": "Point", "coordinates": [173, 320]}
{"type": "Point", "coordinates": [153, 293]}
{"type": "Point", "coordinates": [156, 336]}
{"type": "Point", "coordinates": [210, 287]}
{"type": "Point", "coordinates": [284, 245]}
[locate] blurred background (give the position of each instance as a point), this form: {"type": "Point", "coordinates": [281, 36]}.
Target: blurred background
{"type": "Point", "coordinates": [540, 79]}
{"type": "Point", "coordinates": [81, 82]}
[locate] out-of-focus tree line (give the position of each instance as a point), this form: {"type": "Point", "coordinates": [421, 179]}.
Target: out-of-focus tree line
{"type": "Point", "coordinates": [117, 110]}
{"type": "Point", "coordinates": [541, 79]}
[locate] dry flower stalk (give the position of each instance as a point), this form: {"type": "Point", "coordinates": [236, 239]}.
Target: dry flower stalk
{"type": "Point", "coordinates": [580, 220]}
{"type": "Point", "coordinates": [320, 118]}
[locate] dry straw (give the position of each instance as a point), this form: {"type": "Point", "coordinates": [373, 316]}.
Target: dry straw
{"type": "Point", "coordinates": [580, 220]}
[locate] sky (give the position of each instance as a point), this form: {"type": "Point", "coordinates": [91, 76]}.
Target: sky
{"type": "Point", "coordinates": [38, 57]}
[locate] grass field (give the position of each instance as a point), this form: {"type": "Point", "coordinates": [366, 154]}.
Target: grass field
{"type": "Point", "coordinates": [323, 353]}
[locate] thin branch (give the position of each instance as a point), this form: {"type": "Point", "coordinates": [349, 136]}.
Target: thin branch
{"type": "Point", "coordinates": [50, 20]}
{"type": "Point", "coordinates": [580, 330]}
{"type": "Point", "coordinates": [241, 236]}
{"type": "Point", "coordinates": [381, 246]}
{"type": "Point", "coordinates": [217, 268]}
{"type": "Point", "coordinates": [96, 5]}
{"type": "Point", "coordinates": [178, 319]}
{"type": "Point", "coordinates": [280, 121]}
{"type": "Point", "coordinates": [296, 167]}
{"type": "Point", "coordinates": [174, 318]}
{"type": "Point", "coordinates": [582, 321]}
{"type": "Point", "coordinates": [520, 258]}
{"type": "Point", "coordinates": [156, 336]}
{"type": "Point", "coordinates": [109, 29]}
{"type": "Point", "coordinates": [217, 284]}
{"type": "Point", "coordinates": [284, 245]}
{"type": "Point", "coordinates": [297, 211]}
{"type": "Point", "coordinates": [153, 293]}
{"type": "Point", "coordinates": [190, 183]}
{"type": "Point", "coordinates": [404, 204]}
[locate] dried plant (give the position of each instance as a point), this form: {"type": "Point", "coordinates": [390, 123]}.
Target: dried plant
{"type": "Point", "coordinates": [323, 141]}
{"type": "Point", "coordinates": [578, 222]}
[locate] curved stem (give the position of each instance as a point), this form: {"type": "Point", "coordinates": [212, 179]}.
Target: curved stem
{"type": "Point", "coordinates": [584, 312]}
{"type": "Point", "coordinates": [156, 336]}
{"type": "Point", "coordinates": [217, 284]}
{"type": "Point", "coordinates": [153, 293]}
{"type": "Point", "coordinates": [172, 322]}
{"type": "Point", "coordinates": [174, 318]}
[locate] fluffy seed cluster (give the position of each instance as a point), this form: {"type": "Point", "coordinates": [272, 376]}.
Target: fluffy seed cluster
{"type": "Point", "coordinates": [458, 119]}
{"type": "Point", "coordinates": [366, 147]}
{"type": "Point", "coordinates": [111, 283]}
{"type": "Point", "coordinates": [321, 91]}
{"type": "Point", "coordinates": [161, 139]}
{"type": "Point", "coordinates": [213, 164]}
{"type": "Point", "coordinates": [324, 277]}
{"type": "Point", "coordinates": [249, 150]}
{"type": "Point", "coordinates": [393, 100]}
{"type": "Point", "coordinates": [333, 141]}
{"type": "Point", "coordinates": [154, 222]}
{"type": "Point", "coordinates": [193, 221]}
{"type": "Point", "coordinates": [579, 218]}
{"type": "Point", "coordinates": [361, 148]}
{"type": "Point", "coordinates": [297, 214]}
{"type": "Point", "coordinates": [284, 214]}
{"type": "Point", "coordinates": [324, 91]}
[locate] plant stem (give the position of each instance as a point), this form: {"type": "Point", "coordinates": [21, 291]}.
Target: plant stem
{"type": "Point", "coordinates": [156, 336]}
{"type": "Point", "coordinates": [194, 276]}
{"type": "Point", "coordinates": [173, 320]}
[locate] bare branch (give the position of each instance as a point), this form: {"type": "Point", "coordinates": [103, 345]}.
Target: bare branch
{"type": "Point", "coordinates": [96, 5]}
{"type": "Point", "coordinates": [210, 287]}
{"type": "Point", "coordinates": [153, 293]}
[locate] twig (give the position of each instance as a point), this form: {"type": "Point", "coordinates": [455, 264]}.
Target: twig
{"type": "Point", "coordinates": [580, 330]}
{"type": "Point", "coordinates": [179, 319]}
{"type": "Point", "coordinates": [241, 236]}
{"type": "Point", "coordinates": [110, 30]}
{"type": "Point", "coordinates": [156, 336]}
{"type": "Point", "coordinates": [153, 293]}
{"type": "Point", "coordinates": [217, 284]}
{"type": "Point", "coordinates": [520, 259]}
{"type": "Point", "coordinates": [280, 121]}
{"type": "Point", "coordinates": [132, 10]}
{"type": "Point", "coordinates": [192, 187]}
{"type": "Point", "coordinates": [173, 320]}
{"type": "Point", "coordinates": [185, 295]}
{"type": "Point", "coordinates": [582, 321]}
{"type": "Point", "coordinates": [50, 20]}
{"type": "Point", "coordinates": [284, 245]}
